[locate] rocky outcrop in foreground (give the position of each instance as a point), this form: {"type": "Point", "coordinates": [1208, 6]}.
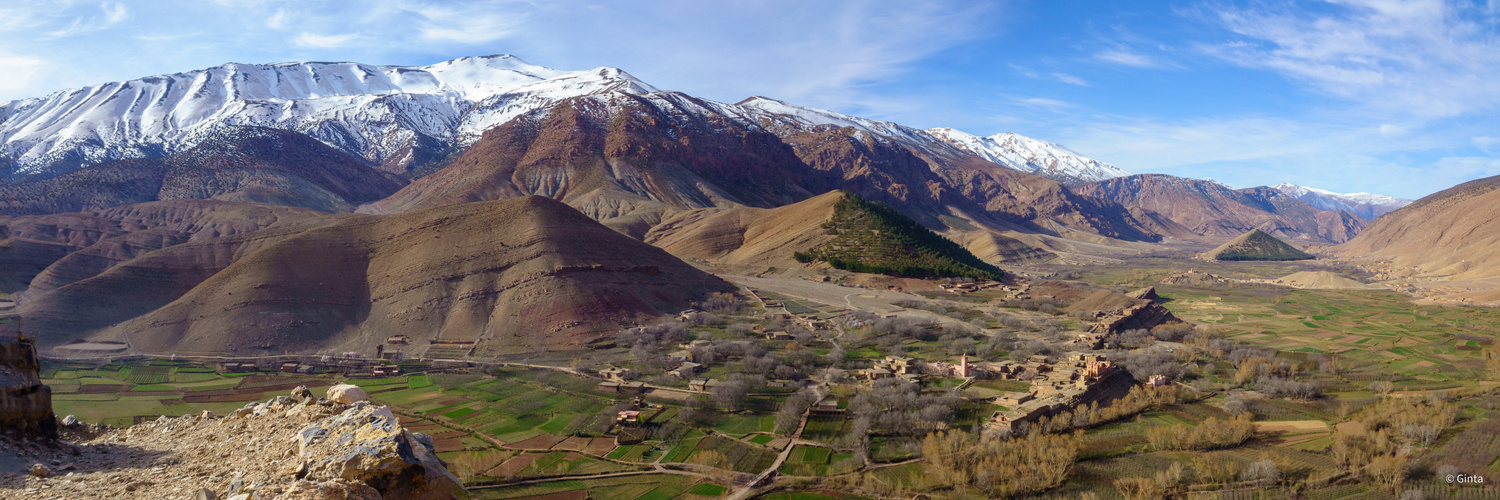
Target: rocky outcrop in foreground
{"type": "Point", "coordinates": [296, 447]}
{"type": "Point", "coordinates": [25, 403]}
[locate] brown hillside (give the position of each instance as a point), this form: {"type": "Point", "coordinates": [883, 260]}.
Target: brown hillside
{"type": "Point", "coordinates": [625, 160]}
{"type": "Point", "coordinates": [1455, 232]}
{"type": "Point", "coordinates": [64, 248]}
{"type": "Point", "coordinates": [1210, 209]}
{"type": "Point", "coordinates": [249, 164]}
{"type": "Point", "coordinates": [508, 275]}
{"type": "Point", "coordinates": [631, 161]}
{"type": "Point", "coordinates": [746, 236]}
{"type": "Point", "coordinates": [138, 286]}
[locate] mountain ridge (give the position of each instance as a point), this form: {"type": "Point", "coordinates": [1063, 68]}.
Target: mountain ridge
{"type": "Point", "coordinates": [375, 112]}
{"type": "Point", "coordinates": [1214, 210]}
{"type": "Point", "coordinates": [1367, 206]}
{"type": "Point", "coordinates": [1047, 159]}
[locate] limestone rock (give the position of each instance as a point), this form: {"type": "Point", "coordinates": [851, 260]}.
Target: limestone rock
{"type": "Point", "coordinates": [302, 394]}
{"type": "Point", "coordinates": [367, 443]}
{"type": "Point", "coordinates": [70, 420]}
{"type": "Point", "coordinates": [346, 394]}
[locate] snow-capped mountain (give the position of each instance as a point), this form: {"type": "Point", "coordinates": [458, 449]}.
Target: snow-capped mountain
{"type": "Point", "coordinates": [1032, 155]}
{"type": "Point", "coordinates": [401, 117]}
{"type": "Point", "coordinates": [1365, 205]}
{"type": "Point", "coordinates": [380, 113]}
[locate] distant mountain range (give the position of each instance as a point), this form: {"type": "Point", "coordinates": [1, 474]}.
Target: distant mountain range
{"type": "Point", "coordinates": [1208, 208]}
{"type": "Point", "coordinates": [610, 145]}
{"type": "Point", "coordinates": [1365, 205]}
{"type": "Point", "coordinates": [161, 189]}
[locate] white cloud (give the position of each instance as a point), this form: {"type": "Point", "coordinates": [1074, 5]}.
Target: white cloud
{"type": "Point", "coordinates": [114, 12]}
{"type": "Point", "coordinates": [1070, 79]}
{"type": "Point", "coordinates": [109, 15]}
{"type": "Point", "coordinates": [1042, 102]}
{"type": "Point", "coordinates": [314, 40]}
{"type": "Point", "coordinates": [19, 71]}
{"type": "Point", "coordinates": [1485, 143]}
{"type": "Point", "coordinates": [278, 20]}
{"type": "Point", "coordinates": [466, 26]}
{"type": "Point", "coordinates": [1127, 58]}
{"type": "Point", "coordinates": [1424, 59]}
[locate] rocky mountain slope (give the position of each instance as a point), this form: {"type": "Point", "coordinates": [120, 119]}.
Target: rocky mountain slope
{"type": "Point", "coordinates": [1032, 155]}
{"type": "Point", "coordinates": [1256, 245]}
{"type": "Point", "coordinates": [1454, 233]}
{"type": "Point", "coordinates": [1214, 210]}
{"type": "Point", "coordinates": [235, 163]}
{"type": "Point", "coordinates": [631, 161]}
{"type": "Point", "coordinates": [502, 276]}
{"type": "Point", "coordinates": [398, 117]}
{"type": "Point", "coordinates": [1366, 206]}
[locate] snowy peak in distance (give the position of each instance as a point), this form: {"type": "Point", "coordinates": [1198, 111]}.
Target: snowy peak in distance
{"type": "Point", "coordinates": [376, 112]}
{"type": "Point", "coordinates": [1032, 155]}
{"type": "Point", "coordinates": [1364, 205]}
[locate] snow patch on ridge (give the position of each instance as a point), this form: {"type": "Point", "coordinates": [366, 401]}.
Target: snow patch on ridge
{"type": "Point", "coordinates": [1032, 155]}
{"type": "Point", "coordinates": [1365, 205]}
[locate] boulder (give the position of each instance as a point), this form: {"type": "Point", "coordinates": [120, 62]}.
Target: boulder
{"type": "Point", "coordinates": [367, 443]}
{"type": "Point", "coordinates": [70, 421]}
{"type": "Point", "coordinates": [347, 394]}
{"type": "Point", "coordinates": [302, 394]}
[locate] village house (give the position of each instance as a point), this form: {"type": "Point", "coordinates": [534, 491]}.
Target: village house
{"type": "Point", "coordinates": [617, 374]}
{"type": "Point", "coordinates": [827, 407]}
{"type": "Point", "coordinates": [779, 335]}
{"type": "Point", "coordinates": [702, 384]}
{"type": "Point", "coordinates": [686, 370]}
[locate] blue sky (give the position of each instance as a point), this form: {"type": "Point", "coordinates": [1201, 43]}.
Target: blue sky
{"type": "Point", "coordinates": [1392, 97]}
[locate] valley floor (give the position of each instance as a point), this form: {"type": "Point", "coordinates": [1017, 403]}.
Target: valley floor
{"type": "Point", "coordinates": [550, 430]}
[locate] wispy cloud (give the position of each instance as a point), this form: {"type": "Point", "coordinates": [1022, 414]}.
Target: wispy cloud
{"type": "Point", "coordinates": [1042, 102]}
{"type": "Point", "coordinates": [19, 71]}
{"type": "Point", "coordinates": [1053, 76]}
{"type": "Point", "coordinates": [1127, 58]}
{"type": "Point", "coordinates": [1070, 79]}
{"type": "Point", "coordinates": [278, 20]}
{"type": "Point", "coordinates": [110, 14]}
{"type": "Point", "coordinates": [457, 25]}
{"type": "Point", "coordinates": [315, 40]}
{"type": "Point", "coordinates": [1421, 58]}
